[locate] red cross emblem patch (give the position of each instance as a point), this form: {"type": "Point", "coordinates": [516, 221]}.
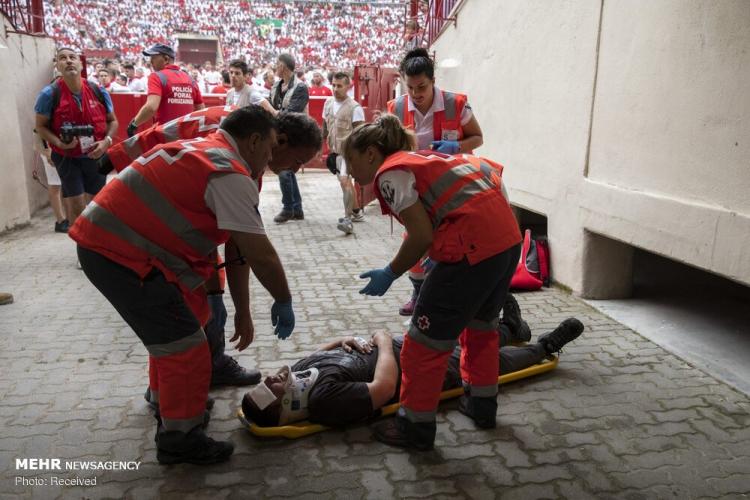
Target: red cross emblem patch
{"type": "Point", "coordinates": [423, 322]}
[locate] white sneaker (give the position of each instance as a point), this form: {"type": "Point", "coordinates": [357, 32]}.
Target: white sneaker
{"type": "Point", "coordinates": [345, 225]}
{"type": "Point", "coordinates": [358, 216]}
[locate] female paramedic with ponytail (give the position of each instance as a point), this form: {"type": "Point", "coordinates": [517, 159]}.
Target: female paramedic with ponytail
{"type": "Point", "coordinates": [453, 207]}
{"type": "Point", "coordinates": [441, 120]}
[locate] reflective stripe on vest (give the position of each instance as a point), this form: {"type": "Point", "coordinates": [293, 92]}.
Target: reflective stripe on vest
{"type": "Point", "coordinates": [222, 157]}
{"type": "Point", "coordinates": [171, 130]}
{"type": "Point", "coordinates": [133, 147]}
{"type": "Point", "coordinates": [104, 219]}
{"type": "Point", "coordinates": [186, 147]}
{"type": "Point", "coordinates": [461, 196]}
{"type": "Point", "coordinates": [449, 103]}
{"type": "Point", "coordinates": [165, 211]}
{"type": "Point", "coordinates": [400, 103]}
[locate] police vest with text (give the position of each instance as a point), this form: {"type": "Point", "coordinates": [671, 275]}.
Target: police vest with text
{"type": "Point", "coordinates": [177, 96]}
{"type": "Point", "coordinates": [463, 197]}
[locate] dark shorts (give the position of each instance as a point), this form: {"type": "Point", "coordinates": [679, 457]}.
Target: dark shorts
{"type": "Point", "coordinates": [78, 175]}
{"type": "Point", "coordinates": [153, 307]}
{"type": "Point", "coordinates": [453, 295]}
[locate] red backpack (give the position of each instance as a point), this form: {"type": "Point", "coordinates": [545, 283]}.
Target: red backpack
{"type": "Point", "coordinates": [533, 267]}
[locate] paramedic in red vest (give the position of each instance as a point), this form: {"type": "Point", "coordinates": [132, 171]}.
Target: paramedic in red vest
{"type": "Point", "coordinates": [145, 243]}
{"type": "Point", "coordinates": [78, 103]}
{"type": "Point", "coordinates": [454, 209]}
{"type": "Point", "coordinates": [442, 121]}
{"type": "Point", "coordinates": [171, 92]}
{"type": "Point", "coordinates": [298, 139]}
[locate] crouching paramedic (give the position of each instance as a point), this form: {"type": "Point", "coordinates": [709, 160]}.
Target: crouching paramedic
{"type": "Point", "coordinates": [145, 242]}
{"type": "Point", "coordinates": [298, 139]}
{"type": "Point", "coordinates": [454, 207]}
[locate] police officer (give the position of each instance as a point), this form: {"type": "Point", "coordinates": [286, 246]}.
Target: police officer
{"type": "Point", "coordinates": [145, 243]}
{"type": "Point", "coordinates": [74, 101]}
{"type": "Point", "coordinates": [454, 207]}
{"type": "Point", "coordinates": [171, 92]}
{"type": "Point", "coordinates": [441, 120]}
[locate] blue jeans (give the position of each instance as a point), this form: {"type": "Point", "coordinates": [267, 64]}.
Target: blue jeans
{"type": "Point", "coordinates": [290, 196]}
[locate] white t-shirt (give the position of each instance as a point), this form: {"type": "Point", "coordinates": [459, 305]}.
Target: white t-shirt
{"type": "Point", "coordinates": [137, 85]}
{"type": "Point", "coordinates": [212, 78]}
{"type": "Point", "coordinates": [248, 95]}
{"type": "Point", "coordinates": [399, 189]}
{"type": "Point", "coordinates": [234, 199]}
{"type": "Point", "coordinates": [423, 126]}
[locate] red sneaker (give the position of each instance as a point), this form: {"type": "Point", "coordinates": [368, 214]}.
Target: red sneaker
{"type": "Point", "coordinates": [408, 308]}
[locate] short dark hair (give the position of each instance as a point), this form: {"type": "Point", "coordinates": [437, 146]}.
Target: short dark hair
{"type": "Point", "coordinates": [288, 61]}
{"type": "Point", "coordinates": [128, 66]}
{"type": "Point", "coordinates": [341, 75]}
{"type": "Point", "coordinates": [240, 65]}
{"type": "Point", "coordinates": [244, 122]}
{"type": "Point", "coordinates": [300, 130]}
{"type": "Point", "coordinates": [60, 49]}
{"type": "Point", "coordinates": [225, 76]}
{"type": "Point", "coordinates": [417, 62]}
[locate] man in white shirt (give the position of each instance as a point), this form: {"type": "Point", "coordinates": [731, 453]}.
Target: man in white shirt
{"type": "Point", "coordinates": [211, 77]}
{"type": "Point", "coordinates": [134, 83]}
{"type": "Point", "coordinates": [241, 94]}
{"type": "Point", "coordinates": [341, 114]}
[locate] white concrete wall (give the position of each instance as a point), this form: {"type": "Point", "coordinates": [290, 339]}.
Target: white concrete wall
{"type": "Point", "coordinates": [25, 67]}
{"type": "Point", "coordinates": [621, 118]}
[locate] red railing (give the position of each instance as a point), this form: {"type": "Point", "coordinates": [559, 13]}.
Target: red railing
{"type": "Point", "coordinates": [438, 13]}
{"type": "Point", "coordinates": [26, 16]}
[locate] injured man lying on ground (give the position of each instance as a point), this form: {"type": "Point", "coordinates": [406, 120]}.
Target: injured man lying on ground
{"type": "Point", "coordinates": [350, 379]}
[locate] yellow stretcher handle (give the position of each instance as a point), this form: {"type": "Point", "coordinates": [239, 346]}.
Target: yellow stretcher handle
{"type": "Point", "coordinates": [304, 428]}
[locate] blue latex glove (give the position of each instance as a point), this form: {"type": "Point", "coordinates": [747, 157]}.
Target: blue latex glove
{"type": "Point", "coordinates": [282, 318]}
{"type": "Point", "coordinates": [427, 264]}
{"type": "Point", "coordinates": [447, 147]}
{"type": "Point", "coordinates": [380, 280]}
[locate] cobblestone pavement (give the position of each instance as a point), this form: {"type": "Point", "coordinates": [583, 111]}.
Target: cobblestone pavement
{"type": "Point", "coordinates": [619, 418]}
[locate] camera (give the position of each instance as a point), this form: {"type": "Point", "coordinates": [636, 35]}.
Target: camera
{"type": "Point", "coordinates": [68, 131]}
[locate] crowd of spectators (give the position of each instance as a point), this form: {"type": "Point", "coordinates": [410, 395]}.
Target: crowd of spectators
{"type": "Point", "coordinates": [334, 34]}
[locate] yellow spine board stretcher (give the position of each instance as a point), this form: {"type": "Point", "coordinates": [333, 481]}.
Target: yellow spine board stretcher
{"type": "Point", "coordinates": [305, 428]}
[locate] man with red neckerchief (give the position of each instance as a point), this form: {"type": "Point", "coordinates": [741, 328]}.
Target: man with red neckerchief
{"type": "Point", "coordinates": [171, 92]}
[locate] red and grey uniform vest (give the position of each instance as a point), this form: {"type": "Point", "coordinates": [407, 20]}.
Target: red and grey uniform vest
{"type": "Point", "coordinates": [177, 96]}
{"type": "Point", "coordinates": [463, 197]}
{"type": "Point", "coordinates": [446, 124]}
{"type": "Point", "coordinates": [191, 126]}
{"type": "Point", "coordinates": [90, 112]}
{"type": "Point", "coordinates": [153, 214]}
